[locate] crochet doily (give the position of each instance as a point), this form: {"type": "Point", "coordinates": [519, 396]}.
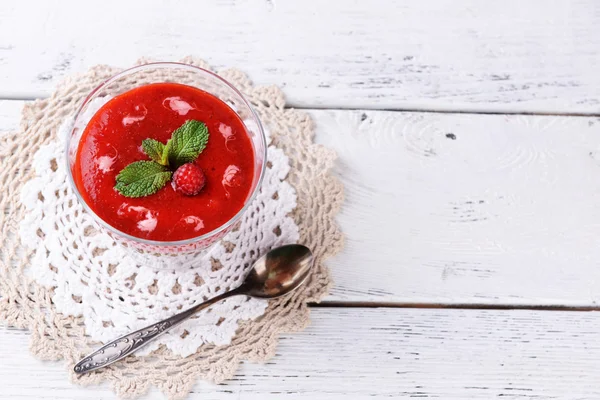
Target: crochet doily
{"type": "Point", "coordinates": [118, 290]}
{"type": "Point", "coordinates": [73, 286]}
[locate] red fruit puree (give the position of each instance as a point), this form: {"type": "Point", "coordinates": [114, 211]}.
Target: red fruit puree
{"type": "Point", "coordinates": [113, 138]}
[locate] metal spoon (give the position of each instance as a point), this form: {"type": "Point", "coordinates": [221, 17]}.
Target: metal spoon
{"type": "Point", "coordinates": [276, 273]}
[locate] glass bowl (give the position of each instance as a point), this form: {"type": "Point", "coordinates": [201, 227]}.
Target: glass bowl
{"type": "Point", "coordinates": [174, 73]}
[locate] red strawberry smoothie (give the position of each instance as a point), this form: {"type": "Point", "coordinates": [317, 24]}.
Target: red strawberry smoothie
{"type": "Point", "coordinates": [112, 140]}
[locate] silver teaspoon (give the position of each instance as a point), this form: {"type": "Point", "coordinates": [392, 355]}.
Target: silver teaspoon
{"type": "Point", "coordinates": [276, 273]}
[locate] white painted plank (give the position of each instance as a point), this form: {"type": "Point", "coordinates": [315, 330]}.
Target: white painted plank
{"type": "Point", "coordinates": [10, 115]}
{"type": "Point", "coordinates": [446, 55]}
{"type": "Point", "coordinates": [458, 208]}
{"type": "Point", "coordinates": [381, 353]}
{"type": "Point", "coordinates": [507, 212]}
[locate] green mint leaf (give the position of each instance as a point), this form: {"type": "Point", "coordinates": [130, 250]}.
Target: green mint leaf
{"type": "Point", "coordinates": [187, 143]}
{"type": "Point", "coordinates": [142, 178]}
{"type": "Point", "coordinates": [155, 150]}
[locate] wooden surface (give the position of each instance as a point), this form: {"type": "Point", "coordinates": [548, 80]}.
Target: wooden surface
{"type": "Point", "coordinates": [462, 55]}
{"type": "Point", "coordinates": [381, 354]}
{"type": "Point", "coordinates": [459, 208]}
{"type": "Point", "coordinates": [451, 208]}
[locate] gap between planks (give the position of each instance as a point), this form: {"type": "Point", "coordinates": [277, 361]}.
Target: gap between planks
{"type": "Point", "coordinates": [366, 107]}
{"type": "Point", "coordinates": [452, 306]}
{"type": "Point", "coordinates": [451, 110]}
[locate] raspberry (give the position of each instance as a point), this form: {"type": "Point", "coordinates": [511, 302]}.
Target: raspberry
{"type": "Point", "coordinates": [188, 179]}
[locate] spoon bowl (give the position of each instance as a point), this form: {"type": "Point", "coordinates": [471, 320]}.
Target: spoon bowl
{"type": "Point", "coordinates": [278, 272]}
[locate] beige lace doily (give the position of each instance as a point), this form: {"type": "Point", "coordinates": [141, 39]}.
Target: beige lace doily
{"type": "Point", "coordinates": [25, 304]}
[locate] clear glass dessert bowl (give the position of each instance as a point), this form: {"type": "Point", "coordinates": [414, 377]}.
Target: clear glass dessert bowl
{"type": "Point", "coordinates": [195, 77]}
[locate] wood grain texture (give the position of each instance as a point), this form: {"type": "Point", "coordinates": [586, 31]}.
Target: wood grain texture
{"type": "Point", "coordinates": [468, 55]}
{"type": "Point", "coordinates": [455, 208]}
{"type": "Point", "coordinates": [10, 115]}
{"type": "Point", "coordinates": [381, 353]}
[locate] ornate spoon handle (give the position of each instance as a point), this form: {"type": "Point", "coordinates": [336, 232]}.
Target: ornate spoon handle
{"type": "Point", "coordinates": [130, 343]}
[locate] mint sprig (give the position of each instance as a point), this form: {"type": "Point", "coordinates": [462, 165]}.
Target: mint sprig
{"type": "Point", "coordinates": [187, 143]}
{"type": "Point", "coordinates": [143, 178]}
{"type": "Point", "coordinates": [155, 150]}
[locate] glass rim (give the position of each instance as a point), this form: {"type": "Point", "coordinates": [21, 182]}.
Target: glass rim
{"type": "Point", "coordinates": [183, 242]}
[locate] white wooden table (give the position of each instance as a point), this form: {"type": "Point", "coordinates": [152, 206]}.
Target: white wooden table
{"type": "Point", "coordinates": [468, 135]}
